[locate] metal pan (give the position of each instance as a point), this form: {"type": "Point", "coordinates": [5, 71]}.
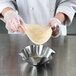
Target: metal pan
{"type": "Point", "coordinates": [36, 54]}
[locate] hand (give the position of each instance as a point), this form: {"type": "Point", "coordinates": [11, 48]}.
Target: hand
{"type": "Point", "coordinates": [13, 21]}
{"type": "Point", "coordinates": [54, 23]}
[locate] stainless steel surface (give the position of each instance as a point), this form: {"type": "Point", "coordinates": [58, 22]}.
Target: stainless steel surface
{"type": "Point", "coordinates": [36, 54]}
{"type": "Point", "coordinates": [63, 63]}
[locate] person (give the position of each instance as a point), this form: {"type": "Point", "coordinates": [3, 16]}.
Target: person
{"type": "Point", "coordinates": [56, 14]}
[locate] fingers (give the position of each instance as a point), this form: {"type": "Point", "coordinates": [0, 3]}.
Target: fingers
{"type": "Point", "coordinates": [50, 24]}
{"type": "Point", "coordinates": [20, 20]}
{"type": "Point", "coordinates": [13, 25]}
{"type": "Point", "coordinates": [8, 26]}
{"type": "Point", "coordinates": [55, 27]}
{"type": "Point", "coordinates": [56, 32]}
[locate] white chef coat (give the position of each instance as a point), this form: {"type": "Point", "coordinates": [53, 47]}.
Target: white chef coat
{"type": "Point", "coordinates": [40, 11]}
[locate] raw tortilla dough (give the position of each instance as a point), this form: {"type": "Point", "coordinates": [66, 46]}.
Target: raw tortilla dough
{"type": "Point", "coordinates": [38, 34]}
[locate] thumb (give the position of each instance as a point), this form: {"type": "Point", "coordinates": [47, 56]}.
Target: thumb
{"type": "Point", "coordinates": [22, 30]}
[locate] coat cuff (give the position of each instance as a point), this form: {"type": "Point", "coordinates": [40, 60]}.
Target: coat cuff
{"type": "Point", "coordinates": [4, 5]}
{"type": "Point", "coordinates": [2, 19]}
{"type": "Point", "coordinates": [68, 11]}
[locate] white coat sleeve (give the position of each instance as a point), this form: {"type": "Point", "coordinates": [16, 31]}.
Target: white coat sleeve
{"type": "Point", "coordinates": [4, 4]}
{"type": "Point", "coordinates": [68, 7]}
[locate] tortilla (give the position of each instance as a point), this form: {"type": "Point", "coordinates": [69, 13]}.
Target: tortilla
{"type": "Point", "coordinates": [38, 34]}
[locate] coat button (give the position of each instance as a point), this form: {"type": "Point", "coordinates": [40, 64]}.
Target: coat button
{"type": "Point", "coordinates": [31, 8]}
{"type": "Point", "coordinates": [52, 9]}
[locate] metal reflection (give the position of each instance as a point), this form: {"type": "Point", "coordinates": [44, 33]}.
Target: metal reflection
{"type": "Point", "coordinates": [40, 70]}
{"type": "Point", "coordinates": [36, 54]}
